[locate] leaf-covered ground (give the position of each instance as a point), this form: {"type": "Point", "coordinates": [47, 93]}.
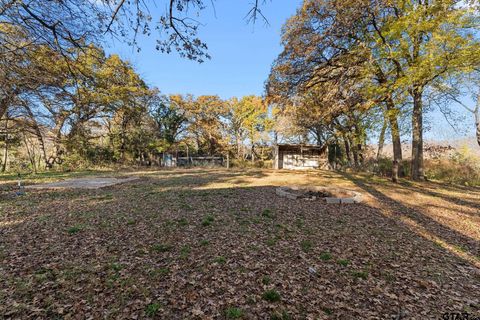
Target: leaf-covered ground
{"type": "Point", "coordinates": [217, 244]}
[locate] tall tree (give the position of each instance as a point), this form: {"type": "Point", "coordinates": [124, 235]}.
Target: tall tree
{"type": "Point", "coordinates": [392, 50]}
{"type": "Point", "coordinates": [76, 23]}
{"type": "Point", "coordinates": [206, 122]}
{"type": "Point", "coordinates": [427, 41]}
{"type": "Point", "coordinates": [247, 119]}
{"type": "Point", "coordinates": [169, 117]}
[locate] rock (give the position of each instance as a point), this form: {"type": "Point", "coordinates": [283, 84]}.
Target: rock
{"type": "Point", "coordinates": [333, 200]}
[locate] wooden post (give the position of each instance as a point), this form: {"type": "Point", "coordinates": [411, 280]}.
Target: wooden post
{"type": "Point", "coordinates": [228, 160]}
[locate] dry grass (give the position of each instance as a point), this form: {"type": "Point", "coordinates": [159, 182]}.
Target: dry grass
{"type": "Point", "coordinates": [201, 244]}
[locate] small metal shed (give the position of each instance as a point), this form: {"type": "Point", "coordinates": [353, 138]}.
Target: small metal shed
{"type": "Point", "coordinates": [299, 156]}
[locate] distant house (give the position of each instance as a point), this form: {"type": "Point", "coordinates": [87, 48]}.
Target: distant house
{"type": "Point", "coordinates": [206, 161]}
{"type": "Point", "coordinates": [174, 160]}
{"type": "Point", "coordinates": [299, 156]}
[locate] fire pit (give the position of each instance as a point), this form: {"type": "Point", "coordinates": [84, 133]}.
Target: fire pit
{"type": "Point", "coordinates": [328, 194]}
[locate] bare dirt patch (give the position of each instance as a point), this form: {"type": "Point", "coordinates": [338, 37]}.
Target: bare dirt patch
{"type": "Point", "coordinates": [84, 183]}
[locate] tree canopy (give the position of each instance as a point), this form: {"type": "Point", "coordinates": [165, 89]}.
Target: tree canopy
{"type": "Point", "coordinates": [358, 55]}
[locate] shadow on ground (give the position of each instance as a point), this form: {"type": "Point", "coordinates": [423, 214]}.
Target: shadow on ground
{"type": "Point", "coordinates": [195, 244]}
{"type": "Point", "coordinates": [438, 230]}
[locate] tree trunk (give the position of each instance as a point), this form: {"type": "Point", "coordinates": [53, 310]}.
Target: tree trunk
{"type": "Point", "coordinates": [57, 143]}
{"type": "Point", "coordinates": [477, 122]}
{"type": "Point", "coordinates": [360, 154]}
{"type": "Point", "coordinates": [347, 150]}
{"type": "Point", "coordinates": [317, 131]}
{"type": "Point", "coordinates": [417, 135]}
{"type": "Point", "coordinates": [355, 154]}
{"type": "Point", "coordinates": [392, 114]}
{"type": "Point", "coordinates": [396, 142]}
{"type": "Point", "coordinates": [5, 151]}
{"type": "Point", "coordinates": [318, 137]}
{"type": "Point", "coordinates": [359, 139]}
{"type": "Point", "coordinates": [3, 106]}
{"type": "Point", "coordinates": [123, 141]}
{"type": "Point", "coordinates": [381, 139]}
{"type": "Point", "coordinates": [38, 133]}
{"type": "Point", "coordinates": [30, 153]}
{"type": "Point", "coordinates": [237, 142]}
{"type": "Point", "coordinates": [416, 92]}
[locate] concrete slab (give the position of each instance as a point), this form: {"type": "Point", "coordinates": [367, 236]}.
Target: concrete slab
{"type": "Point", "coordinates": [83, 183]}
{"type": "Point", "coordinates": [333, 200]}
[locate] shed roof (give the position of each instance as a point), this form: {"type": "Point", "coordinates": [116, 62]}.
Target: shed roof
{"type": "Point", "coordinates": [300, 145]}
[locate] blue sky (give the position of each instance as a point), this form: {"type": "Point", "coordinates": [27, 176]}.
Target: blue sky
{"type": "Point", "coordinates": [242, 55]}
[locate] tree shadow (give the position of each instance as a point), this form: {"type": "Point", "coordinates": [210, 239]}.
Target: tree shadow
{"type": "Point", "coordinates": [455, 200]}
{"type": "Point", "coordinates": [460, 211]}
{"type": "Point", "coordinates": [201, 177]}
{"type": "Point", "coordinates": [442, 185]}
{"type": "Point", "coordinates": [406, 187]}
{"type": "Point", "coordinates": [367, 263]}
{"type": "Point", "coordinates": [440, 231]}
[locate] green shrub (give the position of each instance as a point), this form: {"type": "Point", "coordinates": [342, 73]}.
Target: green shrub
{"type": "Point", "coordinates": [220, 260]}
{"type": "Point", "coordinates": [383, 167]}
{"type": "Point", "coordinates": [325, 256]}
{"type": "Point", "coordinates": [99, 154]}
{"type": "Point", "coordinates": [74, 229]}
{"type": "Point", "coordinates": [74, 162]}
{"type": "Point", "coordinates": [306, 245]}
{"type": "Point", "coordinates": [343, 262]}
{"type": "Point", "coordinates": [161, 247]}
{"type": "Point", "coordinates": [182, 222]}
{"type": "Point", "coordinates": [264, 164]}
{"type": "Point", "coordinates": [152, 309]}
{"type": "Point", "coordinates": [271, 295]}
{"type": "Point", "coordinates": [360, 274]}
{"type": "Point", "coordinates": [241, 163]}
{"type": "Point", "coordinates": [280, 315]}
{"type": "Point", "coordinates": [462, 168]}
{"type": "Point", "coordinates": [116, 266]}
{"type": "Point", "coordinates": [233, 313]}
{"type": "Point", "coordinates": [159, 272]}
{"type": "Point", "coordinates": [204, 242]}
{"type": "Point", "coordinates": [185, 251]}
{"type": "Point", "coordinates": [327, 311]}
{"type": "Point", "coordinates": [267, 213]}
{"type": "Point", "coordinates": [271, 242]}
{"type": "Point", "coordinates": [207, 220]}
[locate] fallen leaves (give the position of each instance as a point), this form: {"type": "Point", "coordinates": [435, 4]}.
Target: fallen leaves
{"type": "Point", "coordinates": [191, 244]}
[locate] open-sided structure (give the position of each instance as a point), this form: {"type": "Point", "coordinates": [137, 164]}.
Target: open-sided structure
{"type": "Point", "coordinates": [299, 156]}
